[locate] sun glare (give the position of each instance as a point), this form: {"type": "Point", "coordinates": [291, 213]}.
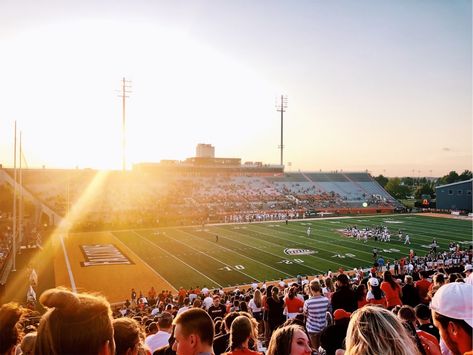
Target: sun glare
{"type": "Point", "coordinates": [183, 93]}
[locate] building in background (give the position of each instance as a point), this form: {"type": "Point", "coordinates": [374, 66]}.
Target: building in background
{"type": "Point", "coordinates": [205, 151]}
{"type": "Point", "coordinates": [455, 196]}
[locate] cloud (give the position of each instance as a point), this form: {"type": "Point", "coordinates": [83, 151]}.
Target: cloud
{"type": "Point", "coordinates": [445, 149]}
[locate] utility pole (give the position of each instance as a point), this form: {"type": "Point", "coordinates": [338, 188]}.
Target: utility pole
{"type": "Point", "coordinates": [14, 204]}
{"type": "Point", "coordinates": [126, 85]}
{"type": "Point", "coordinates": [281, 107]}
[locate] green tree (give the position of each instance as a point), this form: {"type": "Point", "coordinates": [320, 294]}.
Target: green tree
{"type": "Point", "coordinates": [396, 189]}
{"type": "Point", "coordinates": [466, 175]}
{"type": "Point", "coordinates": [451, 177]}
{"type": "Point", "coordinates": [425, 189]}
{"type": "Point", "coordinates": [382, 180]}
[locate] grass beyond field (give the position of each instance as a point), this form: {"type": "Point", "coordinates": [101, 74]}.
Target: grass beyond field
{"type": "Point", "coordinates": [191, 256]}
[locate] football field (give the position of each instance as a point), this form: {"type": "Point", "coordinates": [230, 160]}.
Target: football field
{"type": "Point", "coordinates": [192, 256]}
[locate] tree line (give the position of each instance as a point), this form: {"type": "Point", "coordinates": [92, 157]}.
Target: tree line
{"type": "Point", "coordinates": [407, 187]}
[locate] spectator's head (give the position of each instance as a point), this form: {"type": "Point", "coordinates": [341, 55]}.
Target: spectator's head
{"type": "Point", "coordinates": [241, 331]}
{"type": "Point", "coordinates": [152, 328]}
{"type": "Point", "coordinates": [422, 312]}
{"type": "Point", "coordinates": [290, 339]}
{"type": "Point", "coordinates": [27, 344]}
{"type": "Point", "coordinates": [341, 316]}
{"type": "Point", "coordinates": [468, 269]}
{"type": "Point", "coordinates": [408, 280]}
{"type": "Point", "coordinates": [407, 314]}
{"type": "Point", "coordinates": [229, 318]}
{"type": "Point", "coordinates": [193, 332]}
{"type": "Point", "coordinates": [165, 321]}
{"type": "Point", "coordinates": [315, 287]}
{"type": "Point", "coordinates": [10, 331]}
{"type": "Point", "coordinates": [375, 330]}
{"type": "Point", "coordinates": [74, 324]}
{"type": "Point", "coordinates": [438, 279]}
{"type": "Point", "coordinates": [216, 300]}
{"type": "Point", "coordinates": [342, 280]}
{"type": "Point", "coordinates": [128, 336]}
{"type": "Point", "coordinates": [452, 312]}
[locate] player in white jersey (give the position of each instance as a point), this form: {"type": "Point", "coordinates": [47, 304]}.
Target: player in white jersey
{"type": "Point", "coordinates": [408, 239]}
{"type": "Point", "coordinates": [308, 231]}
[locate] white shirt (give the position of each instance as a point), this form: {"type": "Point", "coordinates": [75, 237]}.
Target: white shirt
{"type": "Point", "coordinates": [157, 340]}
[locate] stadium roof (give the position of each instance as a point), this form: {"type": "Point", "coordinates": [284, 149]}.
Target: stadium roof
{"type": "Point", "coordinates": [454, 183]}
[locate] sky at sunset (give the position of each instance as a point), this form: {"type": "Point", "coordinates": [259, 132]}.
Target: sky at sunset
{"type": "Point", "coordinates": [379, 85]}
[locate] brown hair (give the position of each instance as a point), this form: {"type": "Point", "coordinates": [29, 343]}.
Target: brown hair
{"type": "Point", "coordinates": [127, 334]}
{"type": "Point", "coordinates": [241, 329]}
{"type": "Point", "coordinates": [74, 323]}
{"type": "Point", "coordinates": [196, 321]}
{"type": "Point", "coordinates": [10, 331]}
{"type": "Point", "coordinates": [281, 340]}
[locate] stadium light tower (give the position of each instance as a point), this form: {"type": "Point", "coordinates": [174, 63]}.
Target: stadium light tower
{"type": "Point", "coordinates": [281, 106]}
{"type": "Point", "coordinates": [126, 85]}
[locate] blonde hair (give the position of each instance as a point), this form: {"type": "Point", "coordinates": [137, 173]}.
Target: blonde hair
{"type": "Point", "coordinates": [374, 330]}
{"type": "Point", "coordinates": [74, 323]}
{"type": "Point", "coordinates": [257, 298]}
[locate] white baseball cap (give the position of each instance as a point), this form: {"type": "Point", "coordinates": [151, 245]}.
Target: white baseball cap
{"type": "Point", "coordinates": [454, 300]}
{"type": "Point", "coordinates": [373, 281]}
{"type": "Point", "coordinates": [468, 267]}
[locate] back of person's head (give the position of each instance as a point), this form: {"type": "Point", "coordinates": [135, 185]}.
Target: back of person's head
{"type": "Point", "coordinates": [27, 344]}
{"type": "Point", "coordinates": [388, 277]}
{"type": "Point", "coordinates": [343, 280]}
{"type": "Point", "coordinates": [257, 298]}
{"type": "Point", "coordinates": [281, 340]}
{"type": "Point", "coordinates": [128, 335]}
{"type": "Point", "coordinates": [439, 279]}
{"type": "Point", "coordinates": [165, 321]}
{"type": "Point", "coordinates": [374, 330]}
{"type": "Point", "coordinates": [196, 321]}
{"type": "Point", "coordinates": [10, 331]}
{"type": "Point", "coordinates": [422, 312]}
{"type": "Point", "coordinates": [241, 330]}
{"type": "Point", "coordinates": [408, 280]}
{"type": "Point", "coordinates": [229, 318]}
{"type": "Point", "coordinates": [407, 313]}
{"type": "Point", "coordinates": [74, 324]}
{"type": "Point", "coordinates": [315, 286]}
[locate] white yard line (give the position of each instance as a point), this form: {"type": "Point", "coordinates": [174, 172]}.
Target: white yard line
{"type": "Point", "coordinates": [209, 256]}
{"type": "Point", "coordinates": [245, 256]}
{"type": "Point", "coordinates": [144, 262]}
{"type": "Point", "coordinates": [282, 257]}
{"type": "Point", "coordinates": [68, 265]}
{"type": "Point", "coordinates": [175, 257]}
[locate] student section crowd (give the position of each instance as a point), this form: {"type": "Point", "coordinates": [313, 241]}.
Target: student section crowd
{"type": "Point", "coordinates": [371, 313]}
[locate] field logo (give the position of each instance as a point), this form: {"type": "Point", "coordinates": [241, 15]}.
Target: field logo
{"type": "Point", "coordinates": [103, 254]}
{"type": "Point", "coordinates": [292, 251]}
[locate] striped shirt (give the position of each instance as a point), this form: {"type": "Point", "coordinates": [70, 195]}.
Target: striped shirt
{"type": "Point", "coordinates": [315, 309]}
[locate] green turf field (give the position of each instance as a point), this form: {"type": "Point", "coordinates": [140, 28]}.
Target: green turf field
{"type": "Point", "coordinates": [190, 256]}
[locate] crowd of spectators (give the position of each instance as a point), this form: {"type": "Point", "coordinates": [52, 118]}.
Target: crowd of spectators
{"type": "Point", "coordinates": [115, 200]}
{"type": "Point", "coordinates": [368, 312]}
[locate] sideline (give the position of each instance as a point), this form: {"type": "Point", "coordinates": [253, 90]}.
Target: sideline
{"type": "Point", "coordinates": [68, 265]}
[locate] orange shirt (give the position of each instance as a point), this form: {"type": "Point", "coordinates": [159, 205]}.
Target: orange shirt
{"type": "Point", "coordinates": [393, 297]}
{"type": "Point", "coordinates": [381, 301]}
{"type": "Point", "coordinates": [294, 306]}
